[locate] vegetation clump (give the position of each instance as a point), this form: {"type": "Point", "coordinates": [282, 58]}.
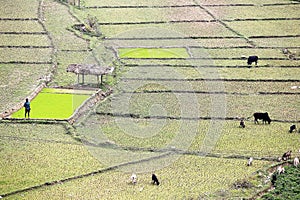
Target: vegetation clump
{"type": "Point", "coordinates": [242, 184]}
{"type": "Point", "coordinates": [90, 26]}
{"type": "Point", "coordinates": [286, 185]}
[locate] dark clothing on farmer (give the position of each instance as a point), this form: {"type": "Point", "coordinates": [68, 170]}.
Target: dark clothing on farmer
{"type": "Point", "coordinates": [27, 108]}
{"type": "Point", "coordinates": [27, 105]}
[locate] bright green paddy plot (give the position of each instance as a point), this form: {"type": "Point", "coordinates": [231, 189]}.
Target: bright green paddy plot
{"type": "Point", "coordinates": [153, 53]}
{"type": "Point", "coordinates": [53, 103]}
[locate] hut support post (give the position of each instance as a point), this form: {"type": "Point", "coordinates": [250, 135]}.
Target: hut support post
{"type": "Point", "coordinates": [82, 78]}
{"type": "Point", "coordinates": [77, 78]}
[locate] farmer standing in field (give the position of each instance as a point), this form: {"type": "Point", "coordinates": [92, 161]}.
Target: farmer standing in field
{"type": "Point", "coordinates": [27, 107]}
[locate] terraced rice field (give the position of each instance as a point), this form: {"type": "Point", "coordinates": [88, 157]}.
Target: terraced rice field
{"type": "Point", "coordinates": [55, 104]}
{"type": "Point", "coordinates": [180, 87]}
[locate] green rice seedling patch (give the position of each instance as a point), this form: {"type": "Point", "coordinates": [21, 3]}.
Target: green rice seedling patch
{"type": "Point", "coordinates": [134, 3]}
{"type": "Point", "coordinates": [25, 55]}
{"type": "Point", "coordinates": [22, 80]}
{"type": "Point", "coordinates": [256, 140]}
{"type": "Point", "coordinates": [21, 26]}
{"type": "Point", "coordinates": [195, 177]}
{"type": "Point", "coordinates": [24, 40]}
{"type": "Point", "coordinates": [19, 9]}
{"type": "Point", "coordinates": [277, 42]}
{"type": "Point", "coordinates": [258, 12]}
{"type": "Point", "coordinates": [50, 104]}
{"type": "Point", "coordinates": [29, 163]}
{"type": "Point", "coordinates": [194, 29]}
{"type": "Point", "coordinates": [153, 53]}
{"type": "Point", "coordinates": [266, 28]}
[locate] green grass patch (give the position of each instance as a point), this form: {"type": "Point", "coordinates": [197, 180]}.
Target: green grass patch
{"type": "Point", "coordinates": [153, 53]}
{"type": "Point", "coordinates": [236, 105]}
{"type": "Point", "coordinates": [205, 29]}
{"type": "Point", "coordinates": [218, 62]}
{"type": "Point", "coordinates": [25, 55]}
{"type": "Point", "coordinates": [50, 104]}
{"type": "Point", "coordinates": [277, 42]}
{"type": "Point", "coordinates": [255, 2]}
{"type": "Point", "coordinates": [254, 140]}
{"type": "Point", "coordinates": [131, 3]}
{"type": "Point", "coordinates": [20, 81]}
{"type": "Point", "coordinates": [183, 42]}
{"type": "Point", "coordinates": [195, 177]}
{"type": "Point", "coordinates": [21, 26]}
{"type": "Point", "coordinates": [111, 15]}
{"type": "Point", "coordinates": [33, 154]}
{"type": "Point", "coordinates": [24, 40]}
{"type": "Point", "coordinates": [237, 53]}
{"type": "Point", "coordinates": [19, 9]}
{"type": "Point", "coordinates": [253, 73]}
{"type": "Point", "coordinates": [258, 12]}
{"type": "Point", "coordinates": [230, 87]}
{"type": "Point", "coordinates": [266, 28]}
{"type": "Point", "coordinates": [58, 26]}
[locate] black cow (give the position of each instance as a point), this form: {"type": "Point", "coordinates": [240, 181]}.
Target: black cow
{"type": "Point", "coordinates": [263, 116]}
{"type": "Point", "coordinates": [155, 179]}
{"type": "Point", "coordinates": [287, 155]}
{"type": "Point", "coordinates": [292, 128]}
{"type": "Point", "coordinates": [242, 124]}
{"type": "Point", "coordinates": [252, 59]}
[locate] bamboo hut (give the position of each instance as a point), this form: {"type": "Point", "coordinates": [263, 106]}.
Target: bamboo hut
{"type": "Point", "coordinates": [89, 69]}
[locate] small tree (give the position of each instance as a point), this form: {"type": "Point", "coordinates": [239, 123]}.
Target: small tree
{"type": "Point", "coordinates": [92, 25]}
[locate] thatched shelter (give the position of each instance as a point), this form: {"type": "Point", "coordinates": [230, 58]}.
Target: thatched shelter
{"type": "Point", "coordinates": [89, 69]}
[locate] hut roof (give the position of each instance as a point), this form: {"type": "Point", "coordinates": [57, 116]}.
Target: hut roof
{"type": "Point", "coordinates": [89, 69]}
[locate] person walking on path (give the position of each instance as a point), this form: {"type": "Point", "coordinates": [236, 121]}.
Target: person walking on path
{"type": "Point", "coordinates": [27, 107]}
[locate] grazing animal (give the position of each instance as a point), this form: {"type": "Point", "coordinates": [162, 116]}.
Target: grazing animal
{"type": "Point", "coordinates": [296, 161]}
{"type": "Point", "coordinates": [263, 116]}
{"type": "Point", "coordinates": [292, 128]}
{"type": "Point", "coordinates": [287, 155]}
{"type": "Point", "coordinates": [280, 170]}
{"type": "Point", "coordinates": [155, 179]}
{"type": "Point", "coordinates": [252, 59]}
{"type": "Point", "coordinates": [242, 124]}
{"type": "Point", "coordinates": [250, 161]}
{"type": "Point", "coordinates": [133, 178]}
{"type": "Point", "coordinates": [286, 51]}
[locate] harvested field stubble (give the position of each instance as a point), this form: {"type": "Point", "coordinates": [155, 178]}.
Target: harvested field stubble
{"type": "Point", "coordinates": [266, 28]}
{"type": "Point", "coordinates": [191, 180]}
{"type": "Point", "coordinates": [255, 12]}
